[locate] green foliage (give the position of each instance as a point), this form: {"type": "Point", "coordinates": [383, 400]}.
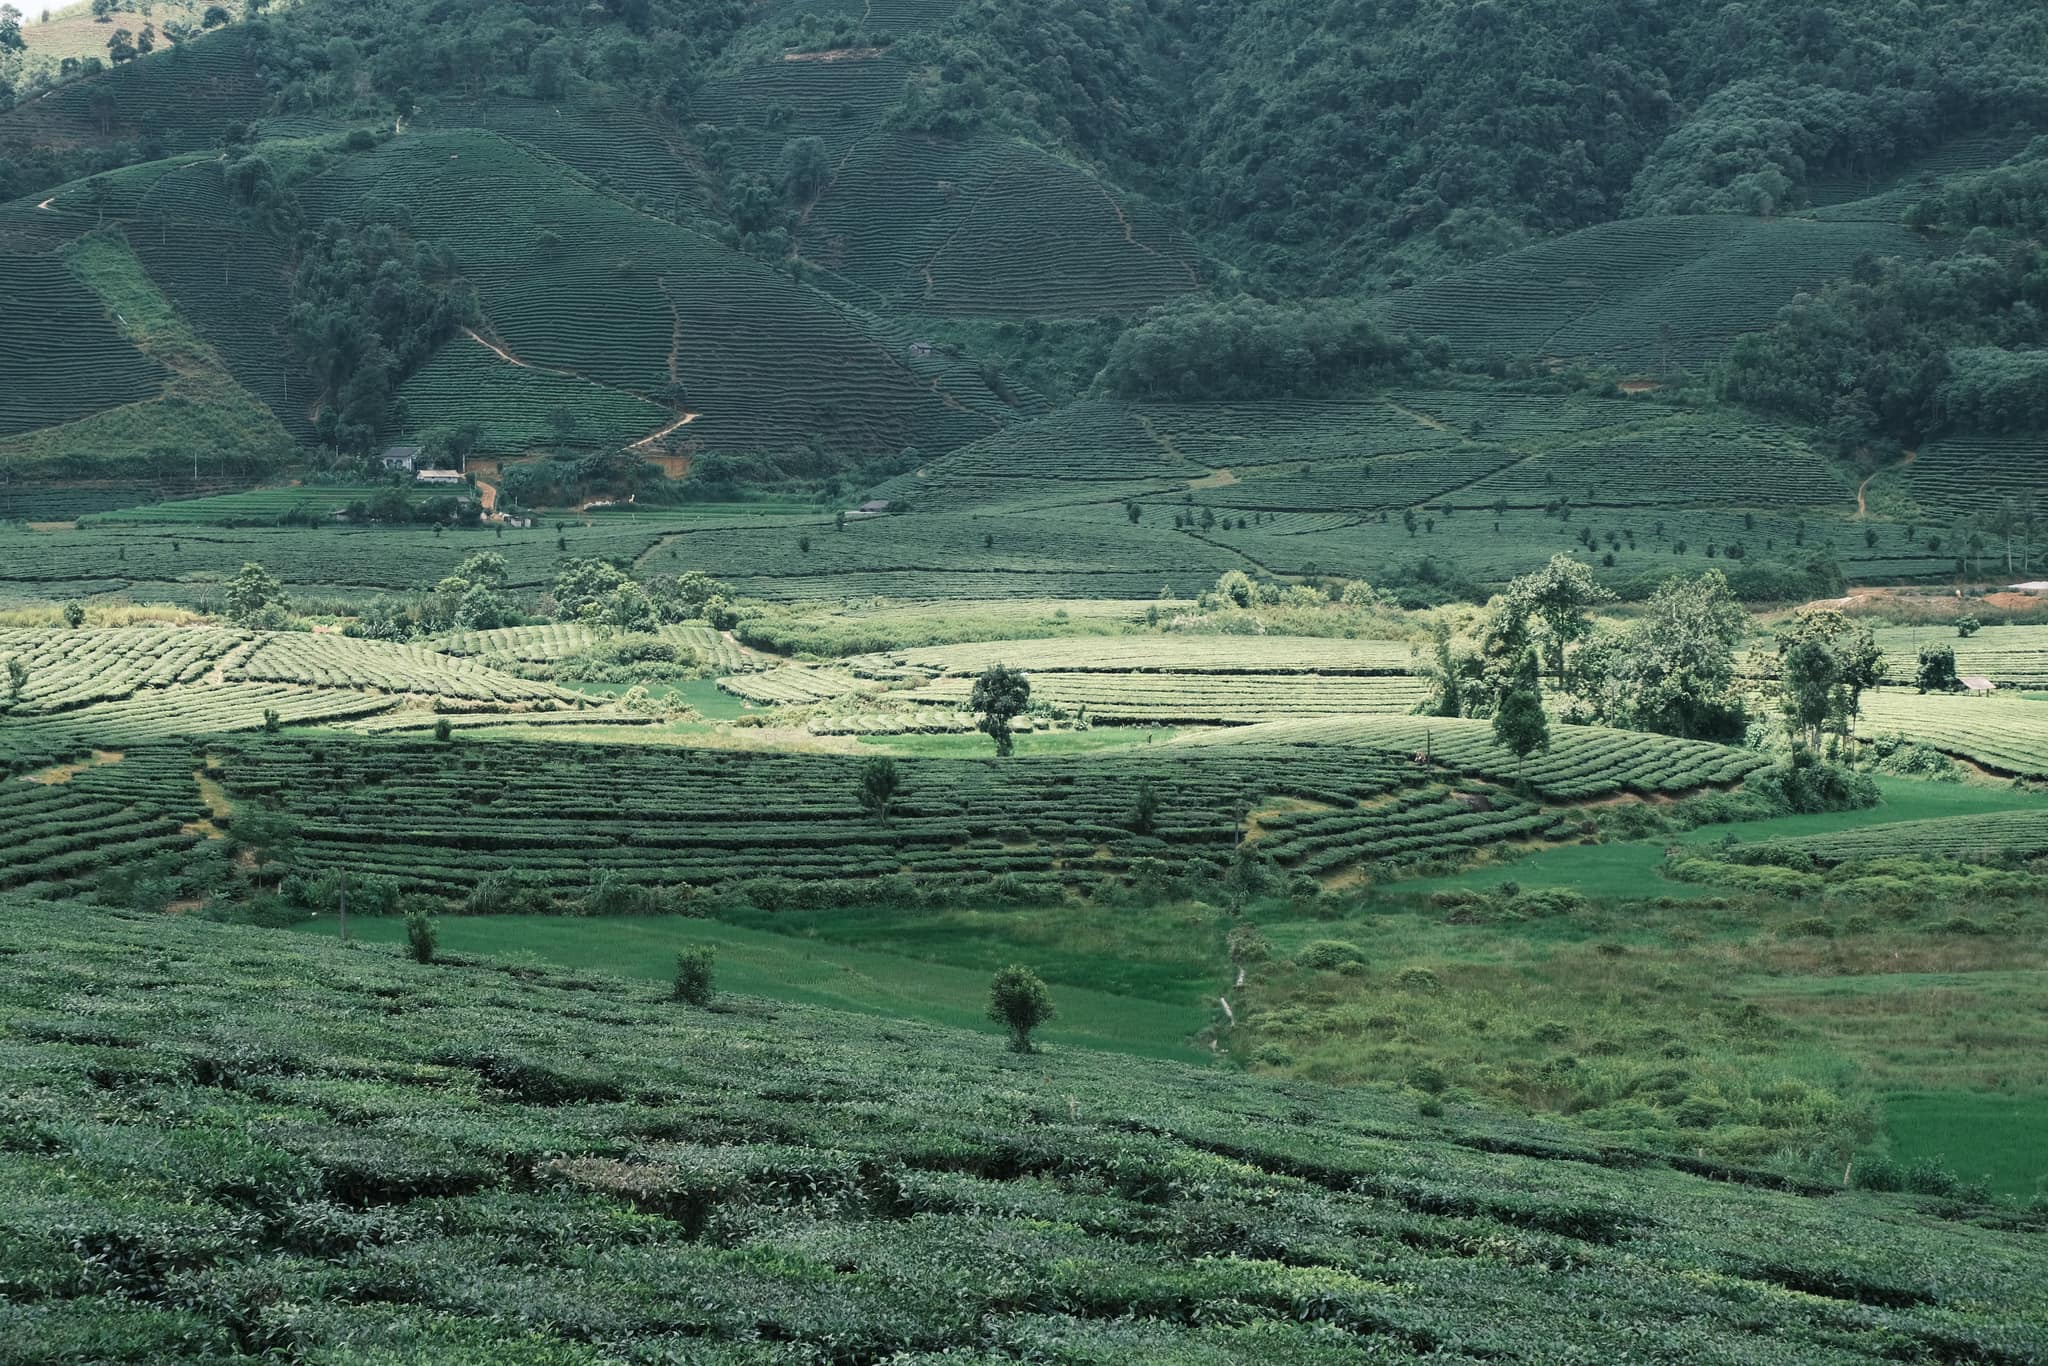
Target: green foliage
{"type": "Point", "coordinates": [1145, 809]}
{"type": "Point", "coordinates": [1000, 696]}
{"type": "Point", "coordinates": [880, 781]}
{"type": "Point", "coordinates": [1209, 350]}
{"type": "Point", "coordinates": [1937, 669]}
{"type": "Point", "coordinates": [465, 1125]}
{"type": "Point", "coordinates": [1019, 1002]}
{"type": "Point", "coordinates": [421, 938]}
{"type": "Point", "coordinates": [254, 597]}
{"type": "Point", "coordinates": [1825, 662]}
{"type": "Point", "coordinates": [1519, 723]}
{"type": "Point", "coordinates": [1328, 955]}
{"type": "Point", "coordinates": [367, 310]}
{"type": "Point", "coordinates": [1673, 670]}
{"type": "Point", "coordinates": [1884, 360]}
{"type": "Point", "coordinates": [694, 970]}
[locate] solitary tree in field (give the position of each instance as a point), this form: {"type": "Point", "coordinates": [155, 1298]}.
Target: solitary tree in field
{"type": "Point", "coordinates": [17, 676]}
{"type": "Point", "coordinates": [1000, 696]}
{"type": "Point", "coordinates": [879, 781]}
{"type": "Point", "coordinates": [693, 974]}
{"type": "Point", "coordinates": [1145, 809]}
{"type": "Point", "coordinates": [1937, 672]}
{"type": "Point", "coordinates": [1518, 720]}
{"type": "Point", "coordinates": [252, 592]}
{"type": "Point", "coordinates": [74, 615]}
{"type": "Point", "coordinates": [422, 940]}
{"type": "Point", "coordinates": [1018, 1001]}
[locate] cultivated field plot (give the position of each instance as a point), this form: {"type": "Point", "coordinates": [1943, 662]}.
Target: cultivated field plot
{"type": "Point", "coordinates": [1981, 474]}
{"type": "Point", "coordinates": [184, 95]}
{"type": "Point", "coordinates": [251, 507]}
{"type": "Point", "coordinates": [555, 641]}
{"type": "Point", "coordinates": [182, 712]}
{"type": "Point", "coordinates": [583, 285]}
{"type": "Point", "coordinates": [1582, 762]}
{"type": "Point", "coordinates": [1170, 654]}
{"type": "Point", "coordinates": [330, 661]}
{"type": "Point", "coordinates": [1998, 834]}
{"type": "Point", "coordinates": [793, 685]}
{"type": "Point", "coordinates": [537, 1102]}
{"type": "Point", "coordinates": [2010, 656]}
{"type": "Point", "coordinates": [993, 228]}
{"type": "Point", "coordinates": [68, 669]}
{"type": "Point", "coordinates": [1199, 698]}
{"type": "Point", "coordinates": [1217, 680]}
{"type": "Point", "coordinates": [443, 819]}
{"type": "Point", "coordinates": [463, 382]}
{"type": "Point", "coordinates": [1658, 294]}
{"type": "Point", "coordinates": [179, 563]}
{"type": "Point", "coordinates": [2005, 734]}
{"type": "Point", "coordinates": [233, 285]}
{"type": "Point", "coordinates": [59, 830]}
{"type": "Point", "coordinates": [624, 150]}
{"type": "Point", "coordinates": [60, 355]}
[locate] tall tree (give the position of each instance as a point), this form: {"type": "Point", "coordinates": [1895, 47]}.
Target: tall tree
{"type": "Point", "coordinates": [1519, 723]}
{"type": "Point", "coordinates": [1000, 696]}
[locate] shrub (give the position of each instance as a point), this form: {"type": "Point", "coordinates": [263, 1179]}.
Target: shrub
{"type": "Point", "coordinates": [1019, 1001]}
{"type": "Point", "coordinates": [1328, 955]}
{"type": "Point", "coordinates": [1247, 945]}
{"type": "Point", "coordinates": [1418, 979]}
{"type": "Point", "coordinates": [1428, 1079]}
{"type": "Point", "coordinates": [420, 936]}
{"type": "Point", "coordinates": [1928, 1177]}
{"type": "Point", "coordinates": [443, 731]}
{"type": "Point", "coordinates": [693, 974]}
{"type": "Point", "coordinates": [1876, 1172]}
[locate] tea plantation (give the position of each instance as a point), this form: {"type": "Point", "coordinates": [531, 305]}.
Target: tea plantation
{"type": "Point", "coordinates": [230, 1143]}
{"type": "Point", "coordinates": [1100, 683]}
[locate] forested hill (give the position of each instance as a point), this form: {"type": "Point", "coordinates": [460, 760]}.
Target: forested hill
{"type": "Point", "coordinates": [826, 240]}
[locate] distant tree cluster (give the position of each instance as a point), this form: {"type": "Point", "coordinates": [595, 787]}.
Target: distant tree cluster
{"type": "Point", "coordinates": [368, 308]}
{"type": "Point", "coordinates": [1197, 349]}
{"type": "Point", "coordinates": [1902, 352]}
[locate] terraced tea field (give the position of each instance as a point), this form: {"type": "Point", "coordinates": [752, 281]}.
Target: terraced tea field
{"type": "Point", "coordinates": [537, 1101]}
{"type": "Point", "coordinates": [2010, 656]}
{"type": "Point", "coordinates": [1653, 294]}
{"type": "Point", "coordinates": [119, 809]}
{"type": "Point", "coordinates": [581, 285]}
{"type": "Point", "coordinates": [61, 355]}
{"type": "Point", "coordinates": [1998, 834]}
{"type": "Point", "coordinates": [1583, 762]}
{"type": "Point", "coordinates": [2007, 735]}
{"type": "Point", "coordinates": [1211, 680]}
{"type": "Point", "coordinates": [1342, 794]}
{"type": "Point", "coordinates": [990, 229]}
{"type": "Point", "coordinates": [124, 686]}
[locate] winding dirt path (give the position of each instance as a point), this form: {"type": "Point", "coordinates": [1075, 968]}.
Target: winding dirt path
{"type": "Point", "coordinates": [1123, 221]}
{"type": "Point", "coordinates": [685, 420]}
{"type": "Point", "coordinates": [1862, 502]}
{"type": "Point", "coordinates": [500, 352]}
{"type": "Point", "coordinates": [45, 205]}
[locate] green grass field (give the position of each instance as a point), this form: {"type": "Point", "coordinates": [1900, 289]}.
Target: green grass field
{"type": "Point", "coordinates": [842, 972]}
{"type": "Point", "coordinates": [1998, 1140]}
{"type": "Point", "coordinates": [1630, 868]}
